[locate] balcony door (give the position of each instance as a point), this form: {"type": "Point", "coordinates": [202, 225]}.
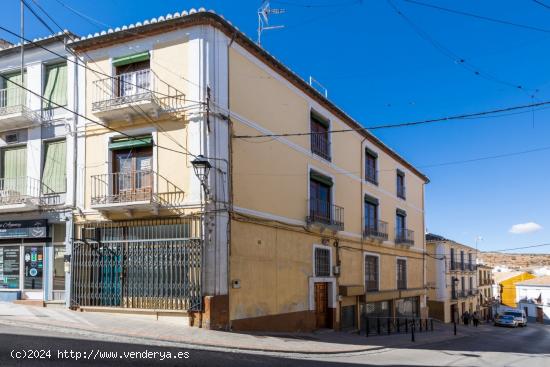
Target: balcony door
{"type": "Point", "coordinates": [320, 200]}
{"type": "Point", "coordinates": [132, 175]}
{"type": "Point", "coordinates": [134, 79]}
{"type": "Point", "coordinates": [13, 185]}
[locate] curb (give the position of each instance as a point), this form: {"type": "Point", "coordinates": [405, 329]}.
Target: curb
{"type": "Point", "coordinates": [212, 347]}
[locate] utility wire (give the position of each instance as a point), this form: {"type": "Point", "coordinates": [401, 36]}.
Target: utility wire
{"type": "Point", "coordinates": [403, 124]}
{"type": "Point", "coordinates": [141, 112]}
{"type": "Point", "coordinates": [96, 22]}
{"type": "Point", "coordinates": [450, 54]}
{"type": "Point", "coordinates": [89, 119]}
{"type": "Point", "coordinates": [85, 66]}
{"type": "Point", "coordinates": [477, 16]}
{"type": "Point", "coordinates": [542, 4]}
{"type": "Point", "coordinates": [318, 5]}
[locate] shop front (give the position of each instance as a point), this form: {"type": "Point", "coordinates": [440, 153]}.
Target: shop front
{"type": "Point", "coordinates": [31, 267]}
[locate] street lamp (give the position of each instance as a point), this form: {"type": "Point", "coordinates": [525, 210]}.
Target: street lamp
{"type": "Point", "coordinates": [202, 167]}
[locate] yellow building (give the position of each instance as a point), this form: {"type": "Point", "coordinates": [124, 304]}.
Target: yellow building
{"type": "Point", "coordinates": [296, 232]}
{"type": "Point", "coordinates": [506, 285]}
{"type": "Point", "coordinates": [451, 278]}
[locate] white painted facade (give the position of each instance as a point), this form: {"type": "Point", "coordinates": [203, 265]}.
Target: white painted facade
{"type": "Point", "coordinates": [44, 126]}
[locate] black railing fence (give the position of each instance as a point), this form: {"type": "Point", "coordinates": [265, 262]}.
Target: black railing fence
{"type": "Point", "coordinates": [395, 325]}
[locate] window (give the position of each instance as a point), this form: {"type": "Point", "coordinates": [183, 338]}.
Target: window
{"type": "Point", "coordinates": [453, 264]}
{"type": "Point", "coordinates": [401, 274]}
{"type": "Point", "coordinates": [461, 260]}
{"type": "Point", "coordinates": [14, 172]}
{"type": "Point", "coordinates": [34, 265]}
{"type": "Point", "coordinates": [9, 263]}
{"type": "Point", "coordinates": [132, 169]}
{"type": "Point", "coordinates": [320, 141]}
{"type": "Point", "coordinates": [371, 173]}
{"type": "Point", "coordinates": [453, 287]}
{"type": "Point", "coordinates": [471, 284]}
{"type": "Point", "coordinates": [400, 224]}
{"type": "Point", "coordinates": [470, 265]}
{"type": "Point", "coordinates": [320, 197]}
{"type": "Point", "coordinates": [55, 167]}
{"type": "Point", "coordinates": [371, 215]}
{"type": "Point", "coordinates": [10, 93]}
{"type": "Point", "coordinates": [463, 284]}
{"type": "Point", "coordinates": [322, 262]}
{"type": "Point", "coordinates": [55, 86]}
{"type": "Point", "coordinates": [134, 74]}
{"type": "Point", "coordinates": [371, 273]}
{"type": "Point", "coordinates": [400, 184]}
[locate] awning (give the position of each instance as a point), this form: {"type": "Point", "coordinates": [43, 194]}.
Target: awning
{"type": "Point", "coordinates": [127, 143]}
{"type": "Point", "coordinates": [130, 59]}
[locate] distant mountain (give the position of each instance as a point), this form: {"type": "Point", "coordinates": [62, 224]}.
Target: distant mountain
{"type": "Point", "coordinates": [515, 261]}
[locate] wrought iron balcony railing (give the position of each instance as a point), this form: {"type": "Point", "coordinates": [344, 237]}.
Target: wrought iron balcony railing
{"type": "Point", "coordinates": [320, 145]}
{"type": "Point", "coordinates": [26, 192]}
{"type": "Point", "coordinates": [324, 213]}
{"type": "Point", "coordinates": [377, 230]}
{"type": "Point", "coordinates": [404, 236]}
{"type": "Point", "coordinates": [142, 88]}
{"type": "Point", "coordinates": [14, 109]}
{"type": "Point", "coordinates": [134, 187]}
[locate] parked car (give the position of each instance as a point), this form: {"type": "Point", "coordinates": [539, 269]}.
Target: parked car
{"type": "Point", "coordinates": [506, 320]}
{"type": "Point", "coordinates": [519, 316]}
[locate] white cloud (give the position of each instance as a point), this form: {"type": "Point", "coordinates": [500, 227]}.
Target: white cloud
{"type": "Point", "coordinates": [523, 228]}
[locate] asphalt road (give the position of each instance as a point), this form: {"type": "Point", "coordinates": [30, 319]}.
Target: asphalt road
{"type": "Point", "coordinates": [490, 347]}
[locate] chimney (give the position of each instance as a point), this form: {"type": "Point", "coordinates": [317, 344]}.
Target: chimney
{"type": "Point", "coordinates": [5, 44]}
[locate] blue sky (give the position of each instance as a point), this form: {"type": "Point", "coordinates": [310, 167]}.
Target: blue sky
{"type": "Point", "coordinates": [378, 69]}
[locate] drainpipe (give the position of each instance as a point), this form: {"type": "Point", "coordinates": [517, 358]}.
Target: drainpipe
{"type": "Point", "coordinates": [361, 201]}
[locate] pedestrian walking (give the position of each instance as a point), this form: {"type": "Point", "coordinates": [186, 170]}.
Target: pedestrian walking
{"type": "Point", "coordinates": [466, 318]}
{"type": "Point", "coordinates": [476, 319]}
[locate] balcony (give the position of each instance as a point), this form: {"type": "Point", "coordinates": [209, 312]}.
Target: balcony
{"type": "Point", "coordinates": [404, 236]}
{"type": "Point", "coordinates": [320, 145]}
{"type": "Point", "coordinates": [14, 110]}
{"type": "Point", "coordinates": [132, 95]}
{"type": "Point", "coordinates": [137, 190]}
{"type": "Point", "coordinates": [324, 214]}
{"type": "Point", "coordinates": [25, 194]}
{"type": "Point", "coordinates": [376, 231]}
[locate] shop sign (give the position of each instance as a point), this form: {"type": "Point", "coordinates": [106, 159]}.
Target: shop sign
{"type": "Point", "coordinates": [24, 229]}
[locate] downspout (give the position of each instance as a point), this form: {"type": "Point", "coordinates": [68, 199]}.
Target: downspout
{"type": "Point", "coordinates": [361, 227]}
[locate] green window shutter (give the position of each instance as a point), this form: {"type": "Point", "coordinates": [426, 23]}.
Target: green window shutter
{"type": "Point", "coordinates": [371, 199]}
{"type": "Point", "coordinates": [56, 86]}
{"type": "Point", "coordinates": [127, 143]}
{"type": "Point", "coordinates": [14, 94]}
{"type": "Point", "coordinates": [14, 169]}
{"type": "Point", "coordinates": [55, 166]}
{"type": "Point", "coordinates": [321, 178]}
{"type": "Point", "coordinates": [130, 59]}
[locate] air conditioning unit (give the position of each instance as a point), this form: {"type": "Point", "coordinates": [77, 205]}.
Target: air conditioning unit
{"type": "Point", "coordinates": [11, 138]}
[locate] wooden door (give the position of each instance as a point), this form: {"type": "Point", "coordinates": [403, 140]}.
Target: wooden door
{"type": "Point", "coordinates": [321, 305]}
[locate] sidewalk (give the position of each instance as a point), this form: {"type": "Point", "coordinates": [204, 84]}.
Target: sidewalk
{"type": "Point", "coordinates": [146, 328]}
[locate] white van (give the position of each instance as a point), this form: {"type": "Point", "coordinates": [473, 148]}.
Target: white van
{"type": "Point", "coordinates": [519, 316]}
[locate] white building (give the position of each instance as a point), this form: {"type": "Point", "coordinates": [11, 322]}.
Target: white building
{"type": "Point", "coordinates": [37, 165]}
{"type": "Point", "coordinates": [533, 296]}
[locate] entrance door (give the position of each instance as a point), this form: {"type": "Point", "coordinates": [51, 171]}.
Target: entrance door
{"type": "Point", "coordinates": [321, 305]}
{"type": "Point", "coordinates": [454, 313]}
{"type": "Point", "coordinates": [33, 271]}
{"type": "Point", "coordinates": [540, 316]}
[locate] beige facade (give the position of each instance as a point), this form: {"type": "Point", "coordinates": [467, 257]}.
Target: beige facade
{"type": "Point", "coordinates": [451, 278]}
{"type": "Point", "coordinates": [485, 287]}
{"type": "Point", "coordinates": [300, 232]}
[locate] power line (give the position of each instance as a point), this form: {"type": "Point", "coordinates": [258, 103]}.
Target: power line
{"type": "Point", "coordinates": [87, 67]}
{"type": "Point", "coordinates": [95, 22]}
{"type": "Point", "coordinates": [477, 16]}
{"type": "Point", "coordinates": [89, 119]}
{"type": "Point", "coordinates": [141, 112]}
{"type": "Point", "coordinates": [542, 4]}
{"type": "Point", "coordinates": [318, 5]}
{"type": "Point", "coordinates": [450, 54]}
{"type": "Point", "coordinates": [403, 124]}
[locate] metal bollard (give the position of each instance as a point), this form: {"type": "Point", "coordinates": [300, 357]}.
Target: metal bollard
{"type": "Point", "coordinates": [378, 325]}
{"type": "Point", "coordinates": [420, 325]}
{"type": "Point", "coordinates": [367, 327]}
{"type": "Point", "coordinates": [454, 322]}
{"type": "Point", "coordinates": [412, 332]}
{"type": "Point", "coordinates": [406, 326]}
{"type": "Point", "coordinates": [432, 324]}
{"type": "Point", "coordinates": [398, 328]}
{"type": "Point", "coordinates": [389, 326]}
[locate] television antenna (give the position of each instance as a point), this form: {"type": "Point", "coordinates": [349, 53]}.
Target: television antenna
{"type": "Point", "coordinates": [264, 13]}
